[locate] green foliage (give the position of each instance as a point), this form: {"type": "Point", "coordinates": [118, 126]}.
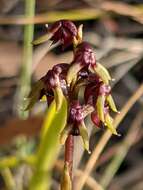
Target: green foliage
{"type": "Point", "coordinates": [49, 145]}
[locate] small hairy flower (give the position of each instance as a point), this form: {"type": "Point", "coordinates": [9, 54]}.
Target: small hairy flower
{"type": "Point", "coordinates": [84, 55]}
{"type": "Point", "coordinates": [75, 113]}
{"type": "Point", "coordinates": [62, 31]}
{"type": "Point", "coordinates": [83, 58]}
{"type": "Point", "coordinates": [52, 85]}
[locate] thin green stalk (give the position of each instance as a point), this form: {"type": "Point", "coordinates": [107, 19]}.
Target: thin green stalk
{"type": "Point", "coordinates": [120, 155]}
{"type": "Point", "coordinates": [8, 179]}
{"type": "Point", "coordinates": [25, 79]}
{"type": "Point", "coordinates": [49, 146]}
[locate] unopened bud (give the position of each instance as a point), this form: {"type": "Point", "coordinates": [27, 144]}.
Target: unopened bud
{"type": "Point", "coordinates": [66, 183]}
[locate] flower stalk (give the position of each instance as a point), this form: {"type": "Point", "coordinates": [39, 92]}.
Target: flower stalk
{"type": "Point", "coordinates": [25, 78]}
{"type": "Point", "coordinates": [64, 81]}
{"type": "Point", "coordinates": [69, 147]}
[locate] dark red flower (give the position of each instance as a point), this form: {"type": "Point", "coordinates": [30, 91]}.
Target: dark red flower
{"type": "Point", "coordinates": [63, 31]}
{"type": "Point", "coordinates": [52, 85]}
{"type": "Point", "coordinates": [75, 113]}
{"type": "Point", "coordinates": [84, 55]}
{"type": "Point", "coordinates": [83, 59]}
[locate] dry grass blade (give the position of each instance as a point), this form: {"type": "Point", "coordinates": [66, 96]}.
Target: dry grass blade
{"type": "Point", "coordinates": [106, 136]}
{"type": "Point", "coordinates": [122, 151]}
{"type": "Point", "coordinates": [78, 14]}
{"type": "Point", "coordinates": [123, 9]}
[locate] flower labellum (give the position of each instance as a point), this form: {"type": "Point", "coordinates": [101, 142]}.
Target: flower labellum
{"type": "Point", "coordinates": [83, 57]}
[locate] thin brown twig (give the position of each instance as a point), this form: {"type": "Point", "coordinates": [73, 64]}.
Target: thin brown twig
{"type": "Point", "coordinates": [106, 136]}
{"type": "Point", "coordinates": [112, 150]}
{"type": "Point", "coordinates": [122, 150]}
{"type": "Point", "coordinates": [123, 9]}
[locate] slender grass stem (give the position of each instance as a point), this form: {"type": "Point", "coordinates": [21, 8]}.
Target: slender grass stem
{"type": "Point", "coordinates": [25, 78]}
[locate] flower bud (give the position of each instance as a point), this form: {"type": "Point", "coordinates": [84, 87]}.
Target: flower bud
{"type": "Point", "coordinates": [63, 31]}
{"type": "Point", "coordinates": [66, 183]}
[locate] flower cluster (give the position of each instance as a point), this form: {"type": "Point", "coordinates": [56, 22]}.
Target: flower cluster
{"type": "Point", "coordinates": [67, 80]}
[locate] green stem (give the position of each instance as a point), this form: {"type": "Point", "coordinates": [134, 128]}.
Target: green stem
{"type": "Point", "coordinates": [8, 179]}
{"type": "Point", "coordinates": [25, 80]}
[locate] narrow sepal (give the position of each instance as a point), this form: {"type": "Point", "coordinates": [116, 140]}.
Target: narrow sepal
{"type": "Point", "coordinates": [42, 39]}
{"type": "Point", "coordinates": [100, 107]}
{"type": "Point", "coordinates": [109, 124]}
{"type": "Point", "coordinates": [64, 134]}
{"type": "Point", "coordinates": [66, 183]}
{"type": "Point", "coordinates": [72, 72]}
{"type": "Point", "coordinates": [78, 39]}
{"type": "Point", "coordinates": [33, 96]}
{"type": "Point", "coordinates": [102, 72]}
{"type": "Point", "coordinates": [58, 95]}
{"type": "Point", "coordinates": [84, 135]}
{"type": "Point", "coordinates": [111, 103]}
{"type": "Point", "coordinates": [80, 33]}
